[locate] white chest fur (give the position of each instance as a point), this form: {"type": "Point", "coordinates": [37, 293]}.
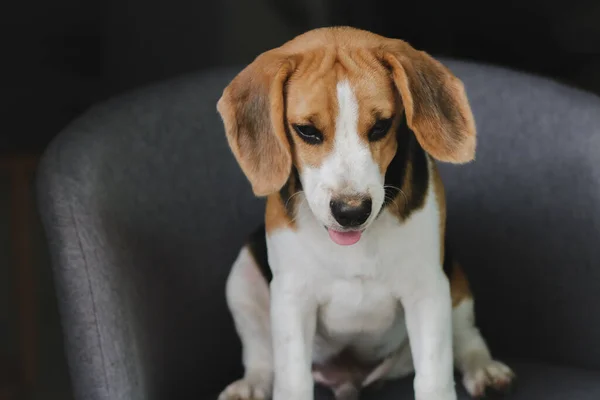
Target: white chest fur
{"type": "Point", "coordinates": [359, 288]}
{"type": "Point", "coordinates": [357, 307]}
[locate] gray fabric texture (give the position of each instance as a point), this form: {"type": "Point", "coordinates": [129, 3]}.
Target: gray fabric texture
{"type": "Point", "coordinates": [145, 209]}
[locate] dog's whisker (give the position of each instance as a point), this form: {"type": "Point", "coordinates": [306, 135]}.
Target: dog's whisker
{"type": "Point", "coordinates": [393, 201]}
{"type": "Point", "coordinates": [292, 196]}
{"type": "Point", "coordinates": [297, 214]}
{"type": "Point", "coordinates": [399, 191]}
{"type": "Point", "coordinates": [300, 204]}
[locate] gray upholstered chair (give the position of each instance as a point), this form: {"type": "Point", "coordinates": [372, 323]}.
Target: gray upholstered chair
{"type": "Point", "coordinates": [145, 209]}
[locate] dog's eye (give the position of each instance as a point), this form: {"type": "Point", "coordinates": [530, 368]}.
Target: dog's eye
{"type": "Point", "coordinates": [309, 133]}
{"type": "Point", "coordinates": [380, 129]}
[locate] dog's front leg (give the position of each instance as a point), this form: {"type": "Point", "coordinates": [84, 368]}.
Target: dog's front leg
{"type": "Point", "coordinates": [428, 309]}
{"type": "Point", "coordinates": [293, 321]}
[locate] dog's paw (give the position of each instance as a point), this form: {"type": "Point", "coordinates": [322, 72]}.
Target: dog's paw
{"type": "Point", "coordinates": [489, 380]}
{"type": "Point", "coordinates": [245, 390]}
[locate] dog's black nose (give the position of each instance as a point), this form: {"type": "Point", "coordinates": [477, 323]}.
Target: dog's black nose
{"type": "Point", "coordinates": [351, 212]}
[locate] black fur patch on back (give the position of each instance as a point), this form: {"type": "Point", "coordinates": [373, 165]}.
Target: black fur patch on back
{"type": "Point", "coordinates": [257, 244]}
{"type": "Point", "coordinates": [448, 260]}
{"type": "Point", "coordinates": [409, 152]}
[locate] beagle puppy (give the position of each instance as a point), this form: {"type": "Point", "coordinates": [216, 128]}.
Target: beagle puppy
{"type": "Point", "coordinates": [349, 281]}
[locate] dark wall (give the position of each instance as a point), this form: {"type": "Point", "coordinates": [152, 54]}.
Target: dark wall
{"type": "Point", "coordinates": [557, 39]}
{"type": "Point", "coordinates": [61, 56]}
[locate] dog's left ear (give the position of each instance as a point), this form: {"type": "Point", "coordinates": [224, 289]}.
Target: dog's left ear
{"type": "Point", "coordinates": [436, 106]}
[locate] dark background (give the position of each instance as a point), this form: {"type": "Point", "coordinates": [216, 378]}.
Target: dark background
{"type": "Point", "coordinates": [58, 57]}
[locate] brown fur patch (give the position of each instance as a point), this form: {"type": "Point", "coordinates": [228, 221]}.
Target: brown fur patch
{"type": "Point", "coordinates": [440, 195]}
{"type": "Point", "coordinates": [307, 106]}
{"type": "Point", "coordinates": [282, 207]}
{"type": "Point", "coordinates": [459, 284]}
{"type": "Point", "coordinates": [276, 216]}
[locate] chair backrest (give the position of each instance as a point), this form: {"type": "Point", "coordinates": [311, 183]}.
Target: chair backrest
{"type": "Point", "coordinates": [525, 216]}
{"type": "Point", "coordinates": [145, 209]}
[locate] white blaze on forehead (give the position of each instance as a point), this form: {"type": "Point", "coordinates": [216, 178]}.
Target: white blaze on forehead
{"type": "Point", "coordinates": [350, 166]}
{"type": "Point", "coordinates": [346, 123]}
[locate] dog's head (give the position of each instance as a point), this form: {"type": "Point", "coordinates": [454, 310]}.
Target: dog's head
{"type": "Point", "coordinates": [326, 104]}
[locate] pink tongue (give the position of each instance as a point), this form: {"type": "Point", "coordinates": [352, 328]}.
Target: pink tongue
{"type": "Point", "coordinates": [344, 238]}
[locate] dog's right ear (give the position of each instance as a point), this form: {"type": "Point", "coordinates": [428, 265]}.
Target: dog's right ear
{"type": "Point", "coordinates": [252, 108]}
{"type": "Point", "coordinates": [435, 102]}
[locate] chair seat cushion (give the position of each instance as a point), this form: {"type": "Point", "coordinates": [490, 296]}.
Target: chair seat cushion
{"type": "Point", "coordinates": [535, 382]}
